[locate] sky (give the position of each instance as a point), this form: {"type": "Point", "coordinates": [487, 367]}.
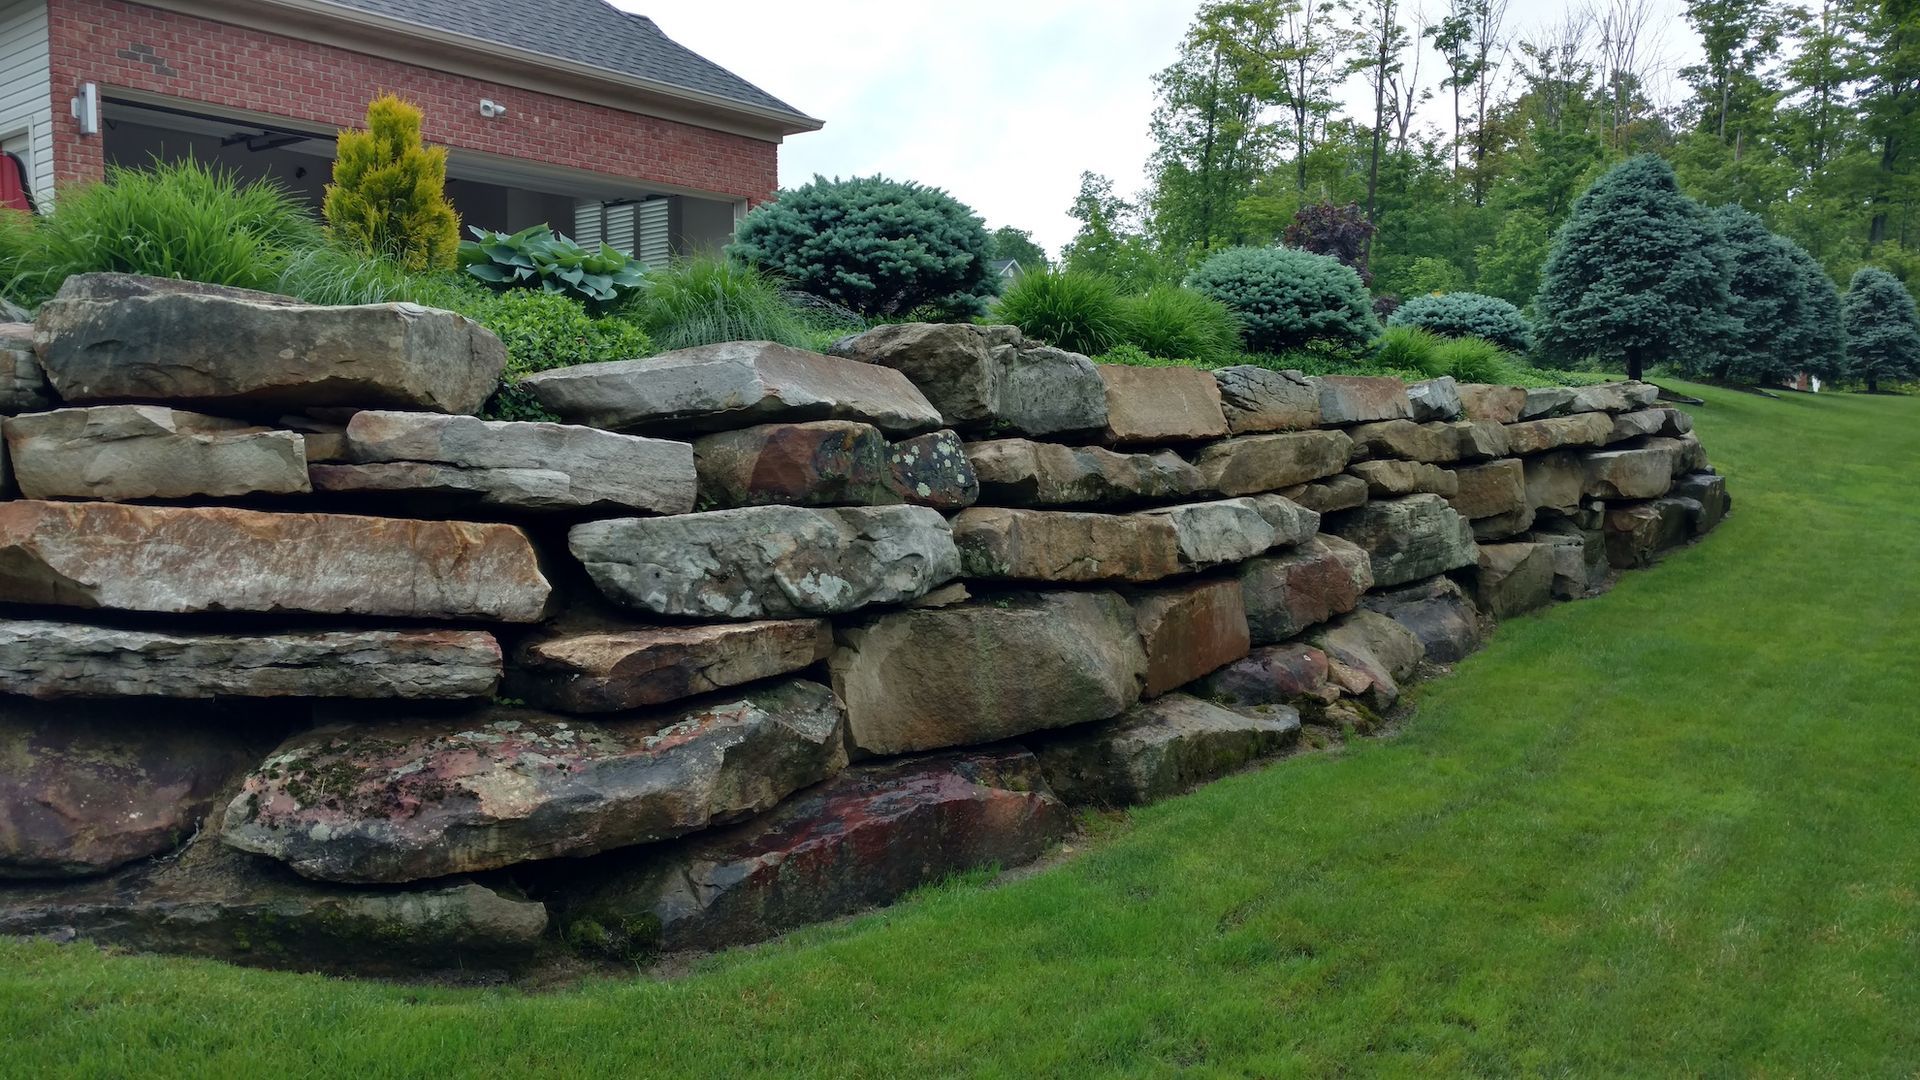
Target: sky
{"type": "Point", "coordinates": [1003, 103]}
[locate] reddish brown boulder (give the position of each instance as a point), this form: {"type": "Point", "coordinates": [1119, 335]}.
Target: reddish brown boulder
{"type": "Point", "coordinates": [1019, 472]}
{"type": "Point", "coordinates": [1189, 630]}
{"type": "Point", "coordinates": [1499, 404]}
{"type": "Point", "coordinates": [1251, 464]}
{"type": "Point", "coordinates": [1432, 442]}
{"type": "Point", "coordinates": [1161, 404]}
{"type": "Point", "coordinates": [1358, 399]}
{"type": "Point", "coordinates": [866, 837]}
{"type": "Point", "coordinates": [204, 559]}
{"type": "Point", "coordinates": [816, 463]}
{"type": "Point", "coordinates": [1483, 491]}
{"type": "Point", "coordinates": [1292, 673]}
{"type": "Point", "coordinates": [1286, 594]}
{"type": "Point", "coordinates": [933, 470]}
{"type": "Point", "coordinates": [613, 670]}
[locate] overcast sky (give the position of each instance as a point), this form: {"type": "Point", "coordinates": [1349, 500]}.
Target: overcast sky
{"type": "Point", "coordinates": [1001, 102]}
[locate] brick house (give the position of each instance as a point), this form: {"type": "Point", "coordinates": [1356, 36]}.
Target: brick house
{"type": "Point", "coordinates": [564, 111]}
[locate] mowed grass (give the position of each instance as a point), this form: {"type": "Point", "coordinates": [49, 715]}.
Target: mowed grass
{"type": "Point", "coordinates": [1675, 830]}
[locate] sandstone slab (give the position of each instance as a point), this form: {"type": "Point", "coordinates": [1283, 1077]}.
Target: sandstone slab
{"type": "Point", "coordinates": [1065, 546]}
{"type": "Point", "coordinates": [121, 452]}
{"type": "Point", "coordinates": [510, 465]}
{"type": "Point", "coordinates": [1293, 673]}
{"type": "Point", "coordinates": [949, 362]}
{"type": "Point", "coordinates": [23, 385]}
{"type": "Point", "coordinates": [1189, 630]}
{"type": "Point", "coordinates": [1359, 399]}
{"type": "Point", "coordinates": [613, 670]}
{"type": "Point", "coordinates": [924, 679]}
{"type": "Point", "coordinates": [1616, 397]}
{"type": "Point", "coordinates": [1555, 481]}
{"type": "Point", "coordinates": [1543, 401]}
{"type": "Point", "coordinates": [1437, 612]}
{"type": "Point", "coordinates": [1338, 492]}
{"type": "Point", "coordinates": [1539, 436]}
{"type": "Point", "coordinates": [206, 559]}
{"type": "Point", "coordinates": [1503, 526]}
{"type": "Point", "coordinates": [1513, 579]}
{"type": "Point", "coordinates": [1498, 404]}
{"type": "Point", "coordinates": [1435, 399]}
{"type": "Point", "coordinates": [1497, 487]}
{"type": "Point", "coordinates": [1255, 463]}
{"type": "Point", "coordinates": [812, 463]}
{"type": "Point", "coordinates": [1286, 594]}
{"type": "Point", "coordinates": [1371, 654]}
{"type": "Point", "coordinates": [1409, 538]}
{"type": "Point", "coordinates": [1161, 748]}
{"type": "Point", "coordinates": [1434, 443]}
{"type": "Point", "coordinates": [1046, 391]}
{"type": "Point", "coordinates": [1628, 474]}
{"type": "Point", "coordinates": [1480, 440]}
{"type": "Point", "coordinates": [1159, 405]}
{"type": "Point", "coordinates": [933, 470]}
{"type": "Point", "coordinates": [768, 561]}
{"type": "Point", "coordinates": [1388, 478]}
{"type": "Point", "coordinates": [1710, 491]}
{"type": "Point", "coordinates": [1019, 472]}
{"type": "Point", "coordinates": [217, 902]}
{"type": "Point", "coordinates": [733, 385]}
{"type": "Point", "coordinates": [88, 787]}
{"type": "Point", "coordinates": [1636, 425]}
{"type": "Point", "coordinates": [414, 799]}
{"type": "Point", "coordinates": [1579, 557]}
{"type": "Point", "coordinates": [1258, 400]}
{"type": "Point", "coordinates": [108, 338]}
{"type": "Point", "coordinates": [1227, 531]}
{"type": "Point", "coordinates": [866, 837]}
{"type": "Point", "coordinates": [42, 659]}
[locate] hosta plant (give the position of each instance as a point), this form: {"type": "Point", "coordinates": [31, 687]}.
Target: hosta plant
{"type": "Point", "coordinates": [539, 258]}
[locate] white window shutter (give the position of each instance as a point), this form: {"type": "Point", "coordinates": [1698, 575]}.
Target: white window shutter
{"type": "Point", "coordinates": [653, 233]}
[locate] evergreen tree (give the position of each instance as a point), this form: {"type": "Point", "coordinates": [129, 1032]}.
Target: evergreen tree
{"type": "Point", "coordinates": [389, 191]}
{"type": "Point", "coordinates": [1819, 345]}
{"type": "Point", "coordinates": [1883, 329]}
{"type": "Point", "coordinates": [1636, 275]}
{"type": "Point", "coordinates": [1768, 304]}
{"type": "Point", "coordinates": [1007, 242]}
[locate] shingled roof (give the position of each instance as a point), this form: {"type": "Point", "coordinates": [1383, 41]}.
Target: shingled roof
{"type": "Point", "coordinates": [587, 32]}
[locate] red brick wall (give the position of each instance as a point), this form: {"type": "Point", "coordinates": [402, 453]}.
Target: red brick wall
{"type": "Point", "coordinates": [122, 45]}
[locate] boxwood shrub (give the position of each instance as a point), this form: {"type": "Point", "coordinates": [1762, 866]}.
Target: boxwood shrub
{"type": "Point", "coordinates": [1286, 297]}
{"type": "Point", "coordinates": [1467, 314]}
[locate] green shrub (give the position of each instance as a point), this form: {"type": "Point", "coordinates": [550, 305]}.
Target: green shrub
{"type": "Point", "coordinates": [1171, 321]}
{"type": "Point", "coordinates": [1286, 298]}
{"type": "Point", "coordinates": [1471, 360]}
{"type": "Point", "coordinates": [389, 191]}
{"type": "Point", "coordinates": [1135, 356]}
{"type": "Point", "coordinates": [1408, 348]}
{"type": "Point", "coordinates": [1070, 309]}
{"type": "Point", "coordinates": [1883, 329]}
{"type": "Point", "coordinates": [705, 300]}
{"type": "Point", "coordinates": [536, 257]}
{"type": "Point", "coordinates": [176, 220]}
{"type": "Point", "coordinates": [541, 331]}
{"type": "Point", "coordinates": [1467, 314]}
{"type": "Point", "coordinates": [329, 274]}
{"type": "Point", "coordinates": [881, 247]}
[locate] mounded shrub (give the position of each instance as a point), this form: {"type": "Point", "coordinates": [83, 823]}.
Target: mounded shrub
{"type": "Point", "coordinates": [881, 247]}
{"type": "Point", "coordinates": [388, 195]}
{"type": "Point", "coordinates": [541, 331]}
{"type": "Point", "coordinates": [702, 301]}
{"type": "Point", "coordinates": [1070, 309]}
{"type": "Point", "coordinates": [1883, 329]}
{"type": "Point", "coordinates": [1467, 314]}
{"type": "Point", "coordinates": [1286, 298]}
{"type": "Point", "coordinates": [176, 220]}
{"type": "Point", "coordinates": [1170, 321]}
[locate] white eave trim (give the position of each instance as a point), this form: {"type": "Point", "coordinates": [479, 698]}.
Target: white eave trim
{"type": "Point", "coordinates": [334, 24]}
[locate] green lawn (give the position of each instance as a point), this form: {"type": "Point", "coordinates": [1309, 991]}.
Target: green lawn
{"type": "Point", "coordinates": [1675, 830]}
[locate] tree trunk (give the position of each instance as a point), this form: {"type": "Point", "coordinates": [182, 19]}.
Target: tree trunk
{"type": "Point", "coordinates": [1873, 382]}
{"type": "Point", "coordinates": [1634, 366]}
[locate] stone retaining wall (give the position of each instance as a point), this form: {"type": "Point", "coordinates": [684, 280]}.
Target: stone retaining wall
{"type": "Point", "coordinates": [302, 665]}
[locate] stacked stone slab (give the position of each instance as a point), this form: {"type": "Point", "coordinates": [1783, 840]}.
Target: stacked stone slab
{"type": "Point", "coordinates": [747, 637]}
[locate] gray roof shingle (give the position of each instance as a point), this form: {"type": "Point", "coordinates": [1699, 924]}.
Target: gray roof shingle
{"type": "Point", "coordinates": [584, 31]}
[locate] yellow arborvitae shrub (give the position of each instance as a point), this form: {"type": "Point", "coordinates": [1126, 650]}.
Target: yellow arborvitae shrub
{"type": "Point", "coordinates": [388, 195]}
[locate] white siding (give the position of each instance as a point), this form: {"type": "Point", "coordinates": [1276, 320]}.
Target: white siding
{"type": "Point", "coordinates": [26, 91]}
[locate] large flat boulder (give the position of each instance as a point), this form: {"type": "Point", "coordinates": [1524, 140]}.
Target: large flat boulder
{"type": "Point", "coordinates": [1359, 399]}
{"type": "Point", "coordinates": [612, 670]}
{"type": "Point", "coordinates": [23, 384]}
{"type": "Point", "coordinates": [1437, 612]}
{"type": "Point", "coordinates": [1229, 530]}
{"type": "Point", "coordinates": [925, 679]}
{"type": "Point", "coordinates": [733, 385]}
{"type": "Point", "coordinates": [510, 465]}
{"type": "Point", "coordinates": [768, 561]}
{"type": "Point", "coordinates": [1066, 546]}
{"type": "Point", "coordinates": [1555, 481]}
{"type": "Point", "coordinates": [951, 363]}
{"type": "Point", "coordinates": [1433, 442]}
{"type": "Point", "coordinates": [1513, 579]}
{"type": "Point", "coordinates": [1188, 630]}
{"type": "Point", "coordinates": [1286, 594]}
{"type": "Point", "coordinates": [1628, 474]}
{"type": "Point", "coordinates": [1250, 464]}
{"type": "Point", "coordinates": [414, 799]}
{"type": "Point", "coordinates": [1408, 538]}
{"type": "Point", "coordinates": [1543, 401]}
{"type": "Point", "coordinates": [1480, 440]}
{"type": "Point", "coordinates": [811, 463]}
{"type": "Point", "coordinates": [1161, 748]}
{"type": "Point", "coordinates": [123, 452]}
{"type": "Point", "coordinates": [217, 902]}
{"type": "Point", "coordinates": [43, 659]}
{"type": "Point", "coordinates": [219, 559]}
{"type": "Point", "coordinates": [1386, 479]}
{"type": "Point", "coordinates": [107, 338]}
{"type": "Point", "coordinates": [1484, 491]}
{"type": "Point", "coordinates": [1020, 472]}
{"type": "Point", "coordinates": [1435, 399]}
{"type": "Point", "coordinates": [1159, 405]}
{"type": "Point", "coordinates": [1615, 397]}
{"type": "Point", "coordinates": [1498, 404]}
{"type": "Point", "coordinates": [1328, 494]}
{"type": "Point", "coordinates": [1540, 436]}
{"type": "Point", "coordinates": [1258, 400]}
{"type": "Point", "coordinates": [91, 786]}
{"type": "Point", "coordinates": [866, 837]}
{"type": "Point", "coordinates": [1047, 391]}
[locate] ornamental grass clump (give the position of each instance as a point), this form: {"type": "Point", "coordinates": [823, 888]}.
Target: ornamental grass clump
{"type": "Point", "coordinates": [710, 299]}
{"type": "Point", "coordinates": [1180, 323]}
{"type": "Point", "coordinates": [1068, 309]}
